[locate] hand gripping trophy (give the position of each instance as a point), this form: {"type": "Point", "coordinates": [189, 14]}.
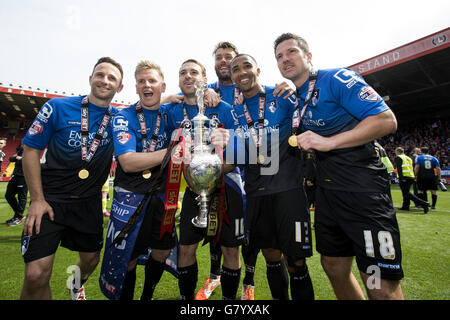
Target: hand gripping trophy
{"type": "Point", "coordinates": [205, 167]}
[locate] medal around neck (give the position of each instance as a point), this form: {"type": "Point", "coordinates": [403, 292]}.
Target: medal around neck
{"type": "Point", "coordinates": [146, 174]}
{"type": "Point", "coordinates": [261, 159]}
{"type": "Point", "coordinates": [205, 167]}
{"type": "Point", "coordinates": [83, 174]}
{"type": "Point", "coordinates": [293, 141]}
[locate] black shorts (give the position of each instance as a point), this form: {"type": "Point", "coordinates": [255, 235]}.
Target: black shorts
{"type": "Point", "coordinates": [360, 224]}
{"type": "Point", "coordinates": [231, 234]}
{"type": "Point", "coordinates": [150, 231]}
{"type": "Point", "coordinates": [424, 184]}
{"type": "Point", "coordinates": [77, 226]}
{"type": "Point", "coordinates": [280, 221]}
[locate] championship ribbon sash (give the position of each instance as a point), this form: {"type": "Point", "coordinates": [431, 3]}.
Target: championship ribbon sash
{"type": "Point", "coordinates": [173, 186]}
{"type": "Point", "coordinates": [116, 257]}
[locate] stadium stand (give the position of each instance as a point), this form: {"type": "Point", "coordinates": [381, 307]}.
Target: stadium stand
{"type": "Point", "coordinates": [14, 138]}
{"type": "Point", "coordinates": [430, 133]}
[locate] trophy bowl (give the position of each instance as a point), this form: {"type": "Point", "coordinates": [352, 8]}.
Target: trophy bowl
{"type": "Point", "coordinates": [202, 175]}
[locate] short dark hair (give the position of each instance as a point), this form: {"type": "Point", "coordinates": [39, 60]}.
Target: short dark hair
{"type": "Point", "coordinates": [424, 149]}
{"type": "Point", "coordinates": [287, 36]}
{"type": "Point", "coordinates": [245, 55]}
{"type": "Point", "coordinates": [111, 61]}
{"type": "Point", "coordinates": [225, 45]}
{"type": "Point", "coordinates": [198, 63]}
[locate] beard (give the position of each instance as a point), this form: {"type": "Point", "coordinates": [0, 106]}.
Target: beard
{"type": "Point", "coordinates": [223, 77]}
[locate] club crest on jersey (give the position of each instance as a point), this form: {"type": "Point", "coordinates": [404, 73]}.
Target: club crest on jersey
{"type": "Point", "coordinates": [272, 106]}
{"type": "Point", "coordinates": [315, 97]}
{"type": "Point", "coordinates": [123, 137]}
{"type": "Point", "coordinates": [367, 93]}
{"type": "Point", "coordinates": [35, 128]}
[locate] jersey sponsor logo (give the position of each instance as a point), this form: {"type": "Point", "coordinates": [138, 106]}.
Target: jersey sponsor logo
{"type": "Point", "coordinates": [35, 128]}
{"type": "Point", "coordinates": [235, 117]}
{"type": "Point", "coordinates": [292, 98]}
{"type": "Point", "coordinates": [272, 105]}
{"type": "Point", "coordinates": [309, 121]}
{"type": "Point", "coordinates": [45, 112]}
{"type": "Point", "coordinates": [123, 137]}
{"type": "Point", "coordinates": [120, 124]}
{"type": "Point", "coordinates": [348, 77]}
{"type": "Point", "coordinates": [367, 93]}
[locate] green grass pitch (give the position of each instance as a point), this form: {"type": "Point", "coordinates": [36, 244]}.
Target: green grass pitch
{"type": "Point", "coordinates": [425, 246]}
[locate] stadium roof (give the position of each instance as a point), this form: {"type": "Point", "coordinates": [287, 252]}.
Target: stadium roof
{"type": "Point", "coordinates": [414, 79]}
{"type": "Point", "coordinates": [19, 103]}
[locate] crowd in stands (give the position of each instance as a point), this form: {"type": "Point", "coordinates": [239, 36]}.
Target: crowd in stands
{"type": "Point", "coordinates": [433, 134]}
{"type": "Point", "coordinates": [14, 137]}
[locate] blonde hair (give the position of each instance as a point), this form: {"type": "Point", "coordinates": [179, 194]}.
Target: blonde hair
{"type": "Point", "coordinates": [146, 65]}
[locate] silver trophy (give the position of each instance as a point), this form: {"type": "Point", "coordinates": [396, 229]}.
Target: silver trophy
{"type": "Point", "coordinates": [205, 167]}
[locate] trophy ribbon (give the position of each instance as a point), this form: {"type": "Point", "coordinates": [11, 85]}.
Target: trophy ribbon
{"type": "Point", "coordinates": [173, 185]}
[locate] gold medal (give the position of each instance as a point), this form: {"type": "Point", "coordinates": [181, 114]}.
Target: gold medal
{"type": "Point", "coordinates": [261, 159]}
{"type": "Point", "coordinates": [83, 174]}
{"type": "Point", "coordinates": [293, 141]}
{"type": "Point", "coordinates": [146, 174]}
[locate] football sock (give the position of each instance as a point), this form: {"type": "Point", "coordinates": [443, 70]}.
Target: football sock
{"type": "Point", "coordinates": [153, 273]}
{"type": "Point", "coordinates": [278, 280]}
{"type": "Point", "coordinates": [104, 202]}
{"type": "Point", "coordinates": [249, 278]}
{"type": "Point", "coordinates": [301, 285]}
{"type": "Point", "coordinates": [229, 281]}
{"type": "Point", "coordinates": [128, 285]}
{"type": "Point", "coordinates": [424, 196]}
{"type": "Point", "coordinates": [187, 281]}
{"type": "Point", "coordinates": [250, 256]}
{"type": "Point", "coordinates": [433, 200]}
{"type": "Point", "coordinates": [216, 255]}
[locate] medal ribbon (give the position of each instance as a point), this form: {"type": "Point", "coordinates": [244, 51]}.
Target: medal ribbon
{"type": "Point", "coordinates": [236, 93]}
{"type": "Point", "coordinates": [256, 136]}
{"type": "Point", "coordinates": [87, 153]}
{"type": "Point", "coordinates": [141, 117]}
{"type": "Point", "coordinates": [297, 116]}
